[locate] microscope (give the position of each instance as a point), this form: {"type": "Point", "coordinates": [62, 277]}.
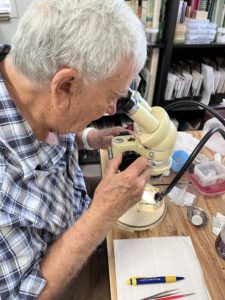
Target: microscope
{"type": "Point", "coordinates": [154, 137]}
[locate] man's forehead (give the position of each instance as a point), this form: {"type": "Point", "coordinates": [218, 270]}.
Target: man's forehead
{"type": "Point", "coordinates": [123, 73]}
{"type": "Point", "coordinates": [121, 87]}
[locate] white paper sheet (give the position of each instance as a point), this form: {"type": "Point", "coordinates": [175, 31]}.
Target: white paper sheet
{"type": "Point", "coordinates": [158, 256]}
{"type": "Point", "coordinates": [181, 197]}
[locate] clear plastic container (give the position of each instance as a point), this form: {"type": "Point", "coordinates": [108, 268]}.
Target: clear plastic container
{"type": "Point", "coordinates": [151, 35]}
{"type": "Point", "coordinates": [220, 37]}
{"type": "Point", "coordinates": [199, 41]}
{"type": "Point", "coordinates": [200, 31]}
{"type": "Point", "coordinates": [196, 24]}
{"type": "Point", "coordinates": [203, 36]}
{"type": "Point", "coordinates": [209, 173]}
{"type": "Point", "coordinates": [205, 30]}
{"type": "Point", "coordinates": [211, 190]}
{"type": "Point", "coordinates": [196, 21]}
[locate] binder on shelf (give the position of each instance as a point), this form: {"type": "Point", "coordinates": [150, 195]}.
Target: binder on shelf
{"type": "Point", "coordinates": [210, 8]}
{"type": "Point", "coordinates": [193, 4]}
{"type": "Point", "coordinates": [149, 14]}
{"type": "Point", "coordinates": [162, 16]}
{"type": "Point", "coordinates": [217, 13]}
{"type": "Point", "coordinates": [183, 12]}
{"type": "Point", "coordinates": [203, 5]}
{"type": "Point", "coordinates": [156, 13]}
{"type": "Point", "coordinates": [152, 66]}
{"type": "Point", "coordinates": [180, 11]}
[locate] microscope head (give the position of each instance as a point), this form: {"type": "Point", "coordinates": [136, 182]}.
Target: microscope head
{"type": "Point", "coordinates": [155, 134]}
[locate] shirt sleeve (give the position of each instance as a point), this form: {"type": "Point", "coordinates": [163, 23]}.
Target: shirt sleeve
{"type": "Point", "coordinates": [21, 250]}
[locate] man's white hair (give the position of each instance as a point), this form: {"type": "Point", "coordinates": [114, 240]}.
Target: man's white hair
{"type": "Point", "coordinates": [92, 36]}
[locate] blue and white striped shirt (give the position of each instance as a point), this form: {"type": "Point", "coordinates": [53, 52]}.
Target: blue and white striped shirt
{"type": "Point", "coordinates": [42, 193]}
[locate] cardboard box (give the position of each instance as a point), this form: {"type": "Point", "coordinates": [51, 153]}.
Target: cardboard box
{"type": "Point", "coordinates": [200, 15]}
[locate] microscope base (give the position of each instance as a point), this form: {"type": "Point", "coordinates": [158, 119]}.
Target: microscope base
{"type": "Point", "coordinates": [138, 220]}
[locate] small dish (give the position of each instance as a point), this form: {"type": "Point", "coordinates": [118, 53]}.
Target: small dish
{"type": "Point", "coordinates": [197, 216]}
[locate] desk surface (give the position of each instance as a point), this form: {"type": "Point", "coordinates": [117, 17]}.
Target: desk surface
{"type": "Point", "coordinates": [175, 223]}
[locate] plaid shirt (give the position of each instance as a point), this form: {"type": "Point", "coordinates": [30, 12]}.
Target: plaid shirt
{"type": "Point", "coordinates": [42, 193]}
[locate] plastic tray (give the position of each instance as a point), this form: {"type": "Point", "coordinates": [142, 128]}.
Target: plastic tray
{"type": "Point", "coordinates": [210, 190]}
{"type": "Point", "coordinates": [209, 173]}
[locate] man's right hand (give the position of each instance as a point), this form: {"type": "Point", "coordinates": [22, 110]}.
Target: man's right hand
{"type": "Point", "coordinates": [117, 192]}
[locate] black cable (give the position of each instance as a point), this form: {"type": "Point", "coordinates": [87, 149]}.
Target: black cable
{"type": "Point", "coordinates": [159, 196]}
{"type": "Point", "coordinates": [195, 103]}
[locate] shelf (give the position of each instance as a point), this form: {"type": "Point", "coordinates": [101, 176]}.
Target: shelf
{"type": "Point", "coordinates": [218, 106]}
{"type": "Point", "coordinates": [211, 45]}
{"type": "Point", "coordinates": [157, 45]}
{"type": "Point", "coordinates": [217, 101]}
{"type": "Point", "coordinates": [193, 108]}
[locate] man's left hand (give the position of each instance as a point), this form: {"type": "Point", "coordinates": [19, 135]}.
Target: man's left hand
{"type": "Point", "coordinates": [103, 138]}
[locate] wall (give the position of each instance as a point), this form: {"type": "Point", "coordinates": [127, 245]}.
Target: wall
{"type": "Point", "coordinates": [7, 28]}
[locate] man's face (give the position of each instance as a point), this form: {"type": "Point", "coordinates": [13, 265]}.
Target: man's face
{"type": "Point", "coordinates": [94, 100]}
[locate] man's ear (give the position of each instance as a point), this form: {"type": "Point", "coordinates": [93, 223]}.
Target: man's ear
{"type": "Point", "coordinates": [63, 86]}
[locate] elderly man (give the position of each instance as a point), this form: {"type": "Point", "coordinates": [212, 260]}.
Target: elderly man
{"type": "Point", "coordinates": [69, 63]}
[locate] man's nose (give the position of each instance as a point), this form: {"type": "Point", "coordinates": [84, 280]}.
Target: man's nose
{"type": "Point", "coordinates": [111, 110]}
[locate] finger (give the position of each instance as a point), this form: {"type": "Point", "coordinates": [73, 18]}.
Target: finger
{"type": "Point", "coordinates": [138, 166]}
{"type": "Point", "coordinates": [113, 165]}
{"type": "Point", "coordinates": [121, 129]}
{"type": "Point", "coordinates": [145, 175]}
{"type": "Point", "coordinates": [117, 130]}
{"type": "Point", "coordinates": [107, 142]}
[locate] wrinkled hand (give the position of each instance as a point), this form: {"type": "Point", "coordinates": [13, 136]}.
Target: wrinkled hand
{"type": "Point", "coordinates": [103, 138]}
{"type": "Point", "coordinates": [119, 191]}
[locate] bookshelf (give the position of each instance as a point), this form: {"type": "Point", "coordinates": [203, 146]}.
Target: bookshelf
{"type": "Point", "coordinates": [180, 51]}
{"type": "Point", "coordinates": [152, 15]}
{"type": "Point", "coordinates": [161, 56]}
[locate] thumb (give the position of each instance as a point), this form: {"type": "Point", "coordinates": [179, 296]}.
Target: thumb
{"type": "Point", "coordinates": [113, 165]}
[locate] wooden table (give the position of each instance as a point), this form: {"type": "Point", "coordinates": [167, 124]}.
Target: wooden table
{"type": "Point", "coordinates": [176, 223]}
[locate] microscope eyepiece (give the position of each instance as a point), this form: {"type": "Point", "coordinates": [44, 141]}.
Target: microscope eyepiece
{"type": "Point", "coordinates": [126, 103]}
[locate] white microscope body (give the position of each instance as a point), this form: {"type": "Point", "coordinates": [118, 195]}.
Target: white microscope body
{"type": "Point", "coordinates": [155, 137]}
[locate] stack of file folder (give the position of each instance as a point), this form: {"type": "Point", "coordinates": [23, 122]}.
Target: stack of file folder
{"type": "Point", "coordinates": [188, 79]}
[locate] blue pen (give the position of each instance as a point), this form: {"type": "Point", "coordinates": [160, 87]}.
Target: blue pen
{"type": "Point", "coordinates": [150, 280]}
